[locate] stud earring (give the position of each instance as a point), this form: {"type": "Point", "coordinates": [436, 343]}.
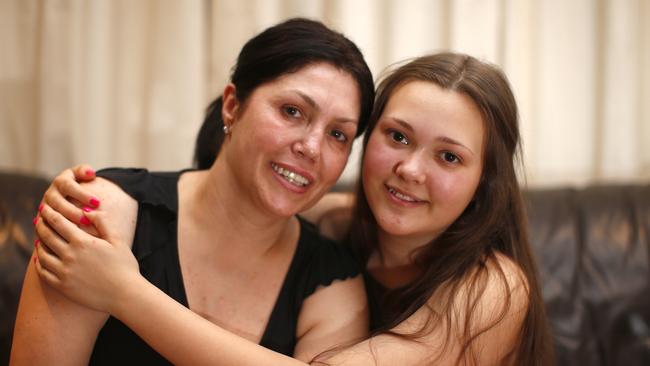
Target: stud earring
{"type": "Point", "coordinates": [226, 130]}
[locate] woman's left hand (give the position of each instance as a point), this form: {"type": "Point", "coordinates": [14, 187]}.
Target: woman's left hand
{"type": "Point", "coordinates": [86, 269]}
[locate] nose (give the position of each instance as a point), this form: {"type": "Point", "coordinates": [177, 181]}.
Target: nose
{"type": "Point", "coordinates": [411, 168]}
{"type": "Point", "coordinates": [309, 145]}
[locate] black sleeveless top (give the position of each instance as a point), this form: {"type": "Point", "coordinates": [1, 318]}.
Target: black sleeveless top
{"type": "Point", "coordinates": [316, 262]}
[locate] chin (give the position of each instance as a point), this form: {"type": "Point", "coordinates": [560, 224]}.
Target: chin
{"type": "Point", "coordinates": [285, 210]}
{"type": "Point", "coordinates": [394, 226]}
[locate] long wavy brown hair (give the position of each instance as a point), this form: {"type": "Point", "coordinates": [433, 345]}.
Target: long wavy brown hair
{"type": "Point", "coordinates": [494, 222]}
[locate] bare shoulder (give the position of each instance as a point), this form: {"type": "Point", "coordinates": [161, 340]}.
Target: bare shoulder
{"type": "Point", "coordinates": [332, 214]}
{"type": "Point", "coordinates": [479, 320]}
{"type": "Point", "coordinates": [506, 285]}
{"type": "Point", "coordinates": [491, 294]}
{"type": "Point", "coordinates": [476, 322]}
{"type": "Point", "coordinates": [491, 307]}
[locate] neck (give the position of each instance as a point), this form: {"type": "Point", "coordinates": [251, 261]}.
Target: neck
{"type": "Point", "coordinates": [392, 264]}
{"type": "Point", "coordinates": [397, 251]}
{"type": "Point", "coordinates": [215, 204]}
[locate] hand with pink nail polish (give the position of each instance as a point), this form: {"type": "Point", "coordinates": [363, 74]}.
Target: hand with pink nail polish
{"type": "Point", "coordinates": [85, 199]}
{"type": "Point", "coordinates": [67, 195]}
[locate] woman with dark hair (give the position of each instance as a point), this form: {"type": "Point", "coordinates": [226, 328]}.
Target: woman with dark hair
{"type": "Point", "coordinates": [225, 242]}
{"type": "Point", "coordinates": [438, 224]}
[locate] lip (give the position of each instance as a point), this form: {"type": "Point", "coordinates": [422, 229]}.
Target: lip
{"type": "Point", "coordinates": [292, 187]}
{"type": "Point", "coordinates": [393, 198]}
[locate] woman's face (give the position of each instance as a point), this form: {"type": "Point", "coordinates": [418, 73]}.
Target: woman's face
{"type": "Point", "coordinates": [291, 138]}
{"type": "Point", "coordinates": [423, 161]}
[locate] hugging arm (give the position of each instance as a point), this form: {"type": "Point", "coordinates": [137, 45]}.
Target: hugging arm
{"type": "Point", "coordinates": [51, 329]}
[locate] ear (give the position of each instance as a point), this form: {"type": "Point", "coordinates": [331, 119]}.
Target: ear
{"type": "Point", "coordinates": [230, 105]}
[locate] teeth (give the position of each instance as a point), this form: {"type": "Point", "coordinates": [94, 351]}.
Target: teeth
{"type": "Point", "coordinates": [291, 177]}
{"type": "Point", "coordinates": [401, 196]}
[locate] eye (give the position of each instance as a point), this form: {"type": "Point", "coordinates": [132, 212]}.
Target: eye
{"type": "Point", "coordinates": [291, 111]}
{"type": "Point", "coordinates": [450, 157]}
{"type": "Point", "coordinates": [398, 137]}
{"type": "Point", "coordinates": [339, 136]}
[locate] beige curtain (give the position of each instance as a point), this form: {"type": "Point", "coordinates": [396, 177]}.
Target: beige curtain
{"type": "Point", "coordinates": [124, 83]}
{"type": "Point", "coordinates": [110, 82]}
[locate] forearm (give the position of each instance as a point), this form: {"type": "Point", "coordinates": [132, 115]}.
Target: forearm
{"type": "Point", "coordinates": [183, 337]}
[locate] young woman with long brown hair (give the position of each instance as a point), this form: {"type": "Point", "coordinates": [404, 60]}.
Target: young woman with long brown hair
{"type": "Point", "coordinates": [438, 222]}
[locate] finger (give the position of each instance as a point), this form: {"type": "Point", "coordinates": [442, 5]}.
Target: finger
{"type": "Point", "coordinates": [74, 214]}
{"type": "Point", "coordinates": [66, 184]}
{"type": "Point", "coordinates": [59, 203]}
{"type": "Point", "coordinates": [91, 230]}
{"type": "Point", "coordinates": [69, 231]}
{"type": "Point", "coordinates": [97, 225]}
{"type": "Point", "coordinates": [87, 223]}
{"type": "Point", "coordinates": [49, 260]}
{"type": "Point", "coordinates": [46, 275]}
{"type": "Point", "coordinates": [50, 238]}
{"type": "Point", "coordinates": [83, 173]}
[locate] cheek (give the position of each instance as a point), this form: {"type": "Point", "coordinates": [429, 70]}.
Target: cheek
{"type": "Point", "coordinates": [259, 126]}
{"type": "Point", "coordinates": [378, 160]}
{"type": "Point", "coordinates": [457, 189]}
{"type": "Point", "coordinates": [334, 161]}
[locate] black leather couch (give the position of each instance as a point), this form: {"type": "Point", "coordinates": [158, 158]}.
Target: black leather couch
{"type": "Point", "coordinates": [593, 248]}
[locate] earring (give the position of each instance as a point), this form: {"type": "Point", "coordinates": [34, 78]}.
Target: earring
{"type": "Point", "coordinates": [226, 130]}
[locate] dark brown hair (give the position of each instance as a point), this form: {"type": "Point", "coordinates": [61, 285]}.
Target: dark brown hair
{"type": "Point", "coordinates": [494, 221]}
{"type": "Point", "coordinates": [281, 49]}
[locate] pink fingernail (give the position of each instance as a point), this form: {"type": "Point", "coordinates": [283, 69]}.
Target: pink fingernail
{"type": "Point", "coordinates": [84, 220]}
{"type": "Point", "coordinates": [36, 242]}
{"type": "Point", "coordinates": [40, 207]}
{"type": "Point", "coordinates": [94, 202]}
{"type": "Point", "coordinates": [90, 172]}
{"type": "Point", "coordinates": [35, 221]}
{"type": "Point", "coordinates": [87, 209]}
{"type": "Point", "coordinates": [35, 259]}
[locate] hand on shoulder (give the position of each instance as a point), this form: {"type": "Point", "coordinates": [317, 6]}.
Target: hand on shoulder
{"type": "Point", "coordinates": [116, 217]}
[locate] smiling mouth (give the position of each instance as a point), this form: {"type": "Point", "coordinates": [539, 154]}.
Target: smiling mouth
{"type": "Point", "coordinates": [402, 196]}
{"type": "Point", "coordinates": [291, 177]}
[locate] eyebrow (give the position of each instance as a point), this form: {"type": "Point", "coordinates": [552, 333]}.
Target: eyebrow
{"type": "Point", "coordinates": [315, 105]}
{"type": "Point", "coordinates": [307, 99]}
{"type": "Point", "coordinates": [449, 140]}
{"type": "Point", "coordinates": [445, 139]}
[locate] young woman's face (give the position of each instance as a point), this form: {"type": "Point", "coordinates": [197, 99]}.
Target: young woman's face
{"type": "Point", "coordinates": [423, 161]}
{"type": "Point", "coordinates": [291, 139]}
